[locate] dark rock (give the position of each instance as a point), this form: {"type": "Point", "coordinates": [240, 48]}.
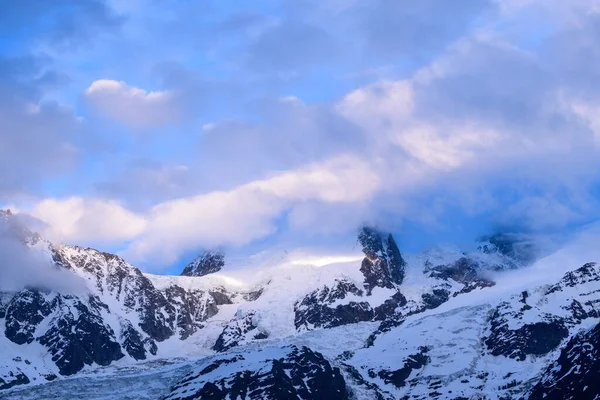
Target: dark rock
{"type": "Point", "coordinates": [79, 337]}
{"type": "Point", "coordinates": [315, 310]}
{"type": "Point", "coordinates": [220, 298]}
{"type": "Point", "coordinates": [586, 274]}
{"type": "Point", "coordinates": [374, 266]}
{"type": "Point", "coordinates": [150, 346]}
{"type": "Point", "coordinates": [132, 341]}
{"type": "Point", "coordinates": [24, 313]}
{"type": "Point", "coordinates": [413, 362]}
{"type": "Point", "coordinates": [574, 375]}
{"type": "Point", "coordinates": [235, 332]}
{"type": "Point", "coordinates": [252, 296]}
{"type": "Point", "coordinates": [530, 339]}
{"type": "Point", "coordinates": [153, 306]}
{"type": "Point", "coordinates": [13, 379]}
{"type": "Point", "coordinates": [464, 271]}
{"type": "Point", "coordinates": [376, 274]}
{"type": "Point", "coordinates": [513, 246]}
{"type": "Point", "coordinates": [383, 265]}
{"type": "Point", "coordinates": [193, 307]}
{"type": "Point", "coordinates": [207, 263]}
{"type": "Point", "coordinates": [370, 240]}
{"type": "Point", "coordinates": [436, 298]}
{"type": "Point", "coordinates": [125, 283]}
{"type": "Point", "coordinates": [396, 264]}
{"type": "Point", "coordinates": [261, 336]}
{"type": "Point", "coordinates": [285, 373]}
{"type": "Point", "coordinates": [388, 308]}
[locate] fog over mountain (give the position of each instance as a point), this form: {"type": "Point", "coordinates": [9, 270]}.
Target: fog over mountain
{"type": "Point", "coordinates": [297, 199]}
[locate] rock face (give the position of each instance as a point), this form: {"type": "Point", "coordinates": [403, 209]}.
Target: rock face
{"type": "Point", "coordinates": [240, 330]}
{"type": "Point", "coordinates": [374, 321]}
{"type": "Point", "coordinates": [78, 336]}
{"type": "Point", "coordinates": [516, 248]}
{"type": "Point", "coordinates": [74, 331]}
{"type": "Point", "coordinates": [318, 309]}
{"type": "Point", "coordinates": [270, 373]}
{"type": "Point", "coordinates": [574, 375]}
{"type": "Point", "coordinates": [206, 263]}
{"type": "Point", "coordinates": [411, 363]}
{"type": "Point", "coordinates": [121, 314]}
{"type": "Point", "coordinates": [383, 264]}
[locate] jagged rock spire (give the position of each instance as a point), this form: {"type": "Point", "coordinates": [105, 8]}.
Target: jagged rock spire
{"type": "Point", "coordinates": [206, 263]}
{"type": "Point", "coordinates": [383, 264]}
{"type": "Point", "coordinates": [396, 264]}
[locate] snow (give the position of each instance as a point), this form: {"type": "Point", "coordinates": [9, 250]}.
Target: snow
{"type": "Point", "coordinates": [453, 332]}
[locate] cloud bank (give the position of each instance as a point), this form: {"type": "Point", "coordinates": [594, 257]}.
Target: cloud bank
{"type": "Point", "coordinates": [310, 118]}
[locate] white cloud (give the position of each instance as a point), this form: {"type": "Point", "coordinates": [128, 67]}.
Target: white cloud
{"type": "Point", "coordinates": [132, 106]}
{"type": "Point", "coordinates": [235, 217]}
{"type": "Point", "coordinates": [87, 220]}
{"type": "Point", "coordinates": [246, 213]}
{"type": "Point", "coordinates": [21, 267]}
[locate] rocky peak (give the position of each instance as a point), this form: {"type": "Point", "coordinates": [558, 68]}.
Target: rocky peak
{"type": "Point", "coordinates": [383, 264]}
{"type": "Point", "coordinates": [206, 263]}
{"type": "Point", "coordinates": [515, 247]}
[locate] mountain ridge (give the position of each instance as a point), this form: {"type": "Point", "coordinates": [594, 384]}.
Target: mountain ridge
{"type": "Point", "coordinates": [131, 318]}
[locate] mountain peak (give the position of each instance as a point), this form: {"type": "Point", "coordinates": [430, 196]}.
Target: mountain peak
{"type": "Point", "coordinates": [517, 247]}
{"type": "Point", "coordinates": [383, 264]}
{"type": "Point", "coordinates": [206, 263]}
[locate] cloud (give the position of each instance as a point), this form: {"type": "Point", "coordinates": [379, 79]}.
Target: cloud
{"type": "Point", "coordinates": [132, 106]}
{"type": "Point", "coordinates": [487, 111]}
{"type": "Point", "coordinates": [87, 220]}
{"type": "Point", "coordinates": [248, 212]}
{"type": "Point", "coordinates": [142, 183]}
{"type": "Point", "coordinates": [23, 267]}
{"type": "Point", "coordinates": [286, 135]}
{"type": "Point", "coordinates": [235, 217]}
{"type": "Point", "coordinates": [37, 137]}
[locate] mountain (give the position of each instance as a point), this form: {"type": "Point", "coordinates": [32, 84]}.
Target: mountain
{"type": "Point", "coordinates": [206, 263]}
{"type": "Point", "coordinates": [444, 324]}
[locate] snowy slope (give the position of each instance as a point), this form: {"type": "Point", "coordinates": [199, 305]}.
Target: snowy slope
{"type": "Point", "coordinates": [442, 324]}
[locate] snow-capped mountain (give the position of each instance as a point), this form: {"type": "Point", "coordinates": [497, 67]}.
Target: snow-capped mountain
{"type": "Point", "coordinates": [206, 263]}
{"type": "Point", "coordinates": [446, 324]}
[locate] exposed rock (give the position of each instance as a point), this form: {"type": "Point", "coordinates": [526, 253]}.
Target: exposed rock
{"type": "Point", "coordinates": [317, 309]}
{"type": "Point", "coordinates": [530, 339]}
{"type": "Point", "coordinates": [388, 308]}
{"type": "Point", "coordinates": [239, 330]}
{"type": "Point", "coordinates": [79, 337]}
{"type": "Point", "coordinates": [12, 379]}
{"type": "Point", "coordinates": [206, 263]}
{"type": "Point", "coordinates": [586, 274]}
{"type": "Point", "coordinates": [383, 264]}
{"type": "Point", "coordinates": [272, 373]}
{"type": "Point", "coordinates": [396, 264]}
{"type": "Point", "coordinates": [515, 247]}
{"type": "Point", "coordinates": [126, 284]}
{"type": "Point", "coordinates": [574, 375]}
{"type": "Point", "coordinates": [24, 313]}
{"type": "Point", "coordinates": [413, 362]}
{"type": "Point", "coordinates": [436, 298]}
{"type": "Point", "coordinates": [132, 341]}
{"type": "Point", "coordinates": [254, 295]}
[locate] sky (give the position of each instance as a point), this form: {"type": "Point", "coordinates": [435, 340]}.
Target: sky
{"type": "Point", "coordinates": [157, 128]}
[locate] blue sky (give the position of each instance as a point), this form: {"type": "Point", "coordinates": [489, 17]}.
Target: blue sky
{"type": "Point", "coordinates": [159, 128]}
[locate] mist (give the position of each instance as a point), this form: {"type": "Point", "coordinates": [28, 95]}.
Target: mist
{"type": "Point", "coordinates": [22, 267]}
